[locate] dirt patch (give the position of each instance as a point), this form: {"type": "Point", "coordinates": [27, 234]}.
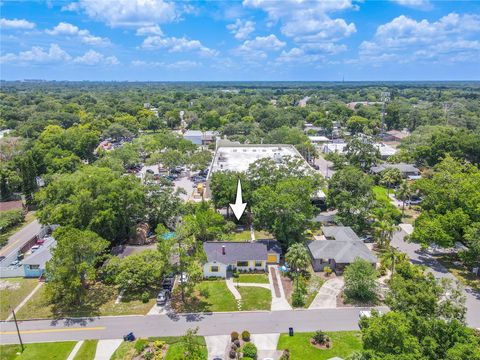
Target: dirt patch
{"type": "Point", "coordinates": [7, 285]}
{"type": "Point", "coordinates": [275, 284]}
{"type": "Point", "coordinates": [287, 287]}
{"type": "Point", "coordinates": [342, 301]}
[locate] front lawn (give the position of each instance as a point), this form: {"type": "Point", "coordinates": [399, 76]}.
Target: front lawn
{"type": "Point", "coordinates": [36, 351]}
{"type": "Point", "coordinates": [101, 302]}
{"type": "Point", "coordinates": [255, 298]}
{"type": "Point", "coordinates": [461, 272]}
{"type": "Point", "coordinates": [126, 351]}
{"type": "Point", "coordinates": [209, 296]}
{"type": "Point", "coordinates": [87, 350]}
{"type": "Point", "coordinates": [344, 343]}
{"type": "Point", "coordinates": [252, 278]}
{"type": "Point", "coordinates": [12, 292]}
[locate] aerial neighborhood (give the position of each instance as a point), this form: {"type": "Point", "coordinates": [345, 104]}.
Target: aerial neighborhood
{"type": "Point", "coordinates": [246, 180]}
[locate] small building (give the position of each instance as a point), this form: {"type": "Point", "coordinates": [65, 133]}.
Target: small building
{"type": "Point", "coordinates": [396, 135]}
{"type": "Point", "coordinates": [199, 137]}
{"type": "Point", "coordinates": [34, 264]}
{"type": "Point", "coordinates": [407, 170]}
{"type": "Point", "coordinates": [319, 140]}
{"type": "Point", "coordinates": [243, 256]}
{"type": "Point", "coordinates": [339, 249]}
{"type": "Point", "coordinates": [334, 147]}
{"type": "Point", "coordinates": [385, 150]}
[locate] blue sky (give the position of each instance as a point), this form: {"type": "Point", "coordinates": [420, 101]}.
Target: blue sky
{"type": "Point", "coordinates": [240, 40]}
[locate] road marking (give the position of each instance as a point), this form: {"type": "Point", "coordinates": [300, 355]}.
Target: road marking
{"type": "Point", "coordinates": [52, 330]}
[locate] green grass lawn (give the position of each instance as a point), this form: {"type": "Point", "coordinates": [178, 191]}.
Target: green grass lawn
{"type": "Point", "coordinates": [380, 193]}
{"type": "Point", "coordinates": [126, 351]}
{"type": "Point", "coordinates": [87, 350]}
{"type": "Point", "coordinates": [462, 273]}
{"type": "Point", "coordinates": [240, 236]}
{"type": "Point", "coordinates": [37, 351]}
{"type": "Point", "coordinates": [255, 298]}
{"type": "Point", "coordinates": [101, 302]}
{"type": "Point", "coordinates": [13, 292]}
{"type": "Point", "coordinates": [252, 278]}
{"type": "Point", "coordinates": [344, 343]}
{"type": "Point", "coordinates": [5, 235]}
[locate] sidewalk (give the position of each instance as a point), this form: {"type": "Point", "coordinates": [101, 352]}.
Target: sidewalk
{"type": "Point", "coordinates": [75, 349]}
{"type": "Point", "coordinates": [279, 300]}
{"type": "Point", "coordinates": [106, 348]}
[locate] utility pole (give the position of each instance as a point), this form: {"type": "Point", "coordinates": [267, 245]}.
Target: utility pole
{"type": "Point", "coordinates": [385, 97]}
{"type": "Point", "coordinates": [18, 331]}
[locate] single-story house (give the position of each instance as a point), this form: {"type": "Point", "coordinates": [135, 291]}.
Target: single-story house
{"type": "Point", "coordinates": [200, 137]}
{"type": "Point", "coordinates": [34, 264]}
{"type": "Point", "coordinates": [244, 256]}
{"type": "Point", "coordinates": [407, 170]}
{"type": "Point", "coordinates": [340, 248]}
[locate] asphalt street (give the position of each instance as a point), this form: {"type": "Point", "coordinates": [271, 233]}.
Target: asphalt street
{"type": "Point", "coordinates": [421, 258]}
{"type": "Point", "coordinates": [17, 240]}
{"type": "Point", "coordinates": [174, 325]}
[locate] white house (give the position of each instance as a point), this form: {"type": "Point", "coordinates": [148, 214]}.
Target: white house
{"type": "Point", "coordinates": [243, 256]}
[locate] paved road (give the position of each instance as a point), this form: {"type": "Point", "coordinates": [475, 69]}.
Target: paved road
{"type": "Point", "coordinates": [325, 167]}
{"type": "Point", "coordinates": [174, 325]}
{"type": "Point", "coordinates": [421, 258]}
{"type": "Point", "coordinates": [17, 240]}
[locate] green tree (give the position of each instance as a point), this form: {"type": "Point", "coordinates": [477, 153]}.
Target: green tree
{"type": "Point", "coordinates": [471, 257]}
{"type": "Point", "coordinates": [361, 152]}
{"type": "Point", "coordinates": [404, 193]}
{"type": "Point", "coordinates": [193, 349]}
{"type": "Point", "coordinates": [390, 177]}
{"type": "Point", "coordinates": [298, 259]}
{"type": "Point", "coordinates": [72, 266]}
{"type": "Point", "coordinates": [350, 192]}
{"type": "Point", "coordinates": [383, 231]}
{"type": "Point", "coordinates": [361, 281]}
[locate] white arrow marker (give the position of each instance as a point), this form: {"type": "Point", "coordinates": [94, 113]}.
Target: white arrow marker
{"type": "Point", "coordinates": [239, 206]}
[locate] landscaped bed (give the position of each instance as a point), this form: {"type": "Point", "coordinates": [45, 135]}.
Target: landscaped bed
{"type": "Point", "coordinates": [101, 302]}
{"type": "Point", "coordinates": [343, 343]}
{"type": "Point", "coordinates": [36, 351]}
{"type": "Point", "coordinates": [12, 292]}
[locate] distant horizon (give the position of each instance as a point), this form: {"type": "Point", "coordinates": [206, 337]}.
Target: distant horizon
{"type": "Point", "coordinates": [27, 80]}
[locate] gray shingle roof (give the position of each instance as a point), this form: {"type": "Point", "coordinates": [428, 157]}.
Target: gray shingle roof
{"type": "Point", "coordinates": [404, 168]}
{"type": "Point", "coordinates": [341, 251]}
{"type": "Point", "coordinates": [235, 251]}
{"type": "Point", "coordinates": [340, 233]}
{"type": "Point", "coordinates": [42, 255]}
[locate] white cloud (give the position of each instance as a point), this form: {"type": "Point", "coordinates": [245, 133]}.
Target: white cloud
{"type": "Point", "coordinates": [92, 57]}
{"type": "Point", "coordinates": [85, 36]}
{"type": "Point", "coordinates": [127, 13]}
{"type": "Point", "coordinates": [174, 44]}
{"type": "Point", "coordinates": [241, 29]}
{"type": "Point", "coordinates": [418, 4]}
{"type": "Point", "coordinates": [297, 56]}
{"type": "Point", "coordinates": [178, 65]}
{"type": "Point", "coordinates": [258, 47]}
{"type": "Point", "coordinates": [149, 30]}
{"type": "Point", "coordinates": [412, 40]}
{"type": "Point", "coordinates": [16, 24]}
{"type": "Point", "coordinates": [38, 55]}
{"type": "Point", "coordinates": [56, 55]}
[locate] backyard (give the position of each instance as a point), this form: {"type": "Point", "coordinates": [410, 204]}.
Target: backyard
{"type": "Point", "coordinates": [12, 292]}
{"type": "Point", "coordinates": [245, 235]}
{"type": "Point", "coordinates": [344, 344]}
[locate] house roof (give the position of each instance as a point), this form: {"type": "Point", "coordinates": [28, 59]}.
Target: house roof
{"type": "Point", "coordinates": [42, 255]}
{"type": "Point", "coordinates": [344, 252]}
{"type": "Point", "coordinates": [272, 246]}
{"type": "Point", "coordinates": [340, 233]}
{"type": "Point", "coordinates": [403, 167]}
{"type": "Point", "coordinates": [235, 251]}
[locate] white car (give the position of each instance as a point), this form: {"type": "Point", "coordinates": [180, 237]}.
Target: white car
{"type": "Point", "coordinates": [35, 248]}
{"type": "Point", "coordinates": [183, 277]}
{"type": "Point", "coordinates": [367, 313]}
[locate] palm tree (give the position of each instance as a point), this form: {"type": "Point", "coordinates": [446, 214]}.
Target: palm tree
{"type": "Point", "coordinates": [404, 192]}
{"type": "Point", "coordinates": [389, 177]}
{"type": "Point", "coordinates": [383, 231]}
{"type": "Point", "coordinates": [297, 258]}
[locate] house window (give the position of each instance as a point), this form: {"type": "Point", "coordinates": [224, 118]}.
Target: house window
{"type": "Point", "coordinates": [242, 263]}
{"type": "Point", "coordinates": [214, 268]}
{"type": "Point", "coordinates": [258, 263]}
{"type": "Point", "coordinates": [34, 267]}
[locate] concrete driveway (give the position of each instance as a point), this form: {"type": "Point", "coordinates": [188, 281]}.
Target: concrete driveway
{"type": "Point", "coordinates": [327, 295]}
{"type": "Point", "coordinates": [216, 346]}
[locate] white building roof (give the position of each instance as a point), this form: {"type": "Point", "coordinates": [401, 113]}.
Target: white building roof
{"type": "Point", "coordinates": [385, 150]}
{"type": "Point", "coordinates": [318, 139]}
{"type": "Point", "coordinates": [334, 147]}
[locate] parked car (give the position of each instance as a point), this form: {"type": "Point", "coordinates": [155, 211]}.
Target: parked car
{"type": "Point", "coordinates": [15, 263]}
{"type": "Point", "coordinates": [1, 258]}
{"type": "Point", "coordinates": [35, 248]}
{"type": "Point", "coordinates": [168, 282]}
{"type": "Point", "coordinates": [150, 171]}
{"type": "Point", "coordinates": [414, 201]}
{"type": "Point", "coordinates": [367, 239]}
{"type": "Point", "coordinates": [162, 297]}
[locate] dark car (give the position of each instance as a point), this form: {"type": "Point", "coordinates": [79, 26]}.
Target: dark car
{"type": "Point", "coordinates": [162, 297]}
{"type": "Point", "coordinates": [1, 258]}
{"type": "Point", "coordinates": [168, 282]}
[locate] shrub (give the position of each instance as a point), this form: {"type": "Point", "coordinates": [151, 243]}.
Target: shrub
{"type": "Point", "coordinates": [233, 354]}
{"type": "Point", "coordinates": [159, 344]}
{"type": "Point", "coordinates": [148, 355]}
{"type": "Point", "coordinates": [237, 343]}
{"type": "Point", "coordinates": [245, 335]}
{"type": "Point", "coordinates": [247, 358]}
{"type": "Point", "coordinates": [204, 292]}
{"type": "Point", "coordinates": [320, 337]}
{"type": "Point", "coordinates": [327, 270]}
{"type": "Point", "coordinates": [234, 347]}
{"type": "Point", "coordinates": [145, 297]}
{"type": "Point", "coordinates": [140, 345]}
{"type": "Point", "coordinates": [285, 355]}
{"type": "Point", "coordinates": [297, 299]}
{"type": "Point", "coordinates": [234, 336]}
{"type": "Point", "coordinates": [249, 350]}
